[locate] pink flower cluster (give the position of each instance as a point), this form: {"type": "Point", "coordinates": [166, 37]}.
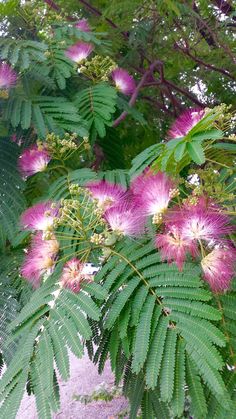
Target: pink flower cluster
{"type": "Point", "coordinates": [33, 160]}
{"type": "Point", "coordinates": [83, 25]}
{"type": "Point", "coordinates": [185, 122]}
{"type": "Point", "coordinates": [74, 274]}
{"type": "Point", "coordinates": [79, 51]}
{"type": "Point", "coordinates": [126, 211]}
{"type": "Point", "coordinates": [40, 217]}
{"type": "Point", "coordinates": [124, 82]}
{"type": "Point", "coordinates": [41, 257]}
{"type": "Point", "coordinates": [191, 229]}
{"type": "Point", "coordinates": [196, 229]}
{"type": "Point", "coordinates": [8, 76]}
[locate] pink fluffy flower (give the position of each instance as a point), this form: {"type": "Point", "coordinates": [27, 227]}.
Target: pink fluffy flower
{"type": "Point", "coordinates": [8, 76]}
{"type": "Point", "coordinates": [152, 193]}
{"type": "Point", "coordinates": [106, 193]}
{"type": "Point", "coordinates": [33, 160]}
{"type": "Point", "coordinates": [201, 221]}
{"type": "Point", "coordinates": [185, 122]}
{"type": "Point", "coordinates": [73, 274]}
{"type": "Point", "coordinates": [174, 247]}
{"type": "Point", "coordinates": [40, 259]}
{"type": "Point", "coordinates": [125, 219]}
{"type": "Point", "coordinates": [79, 51]}
{"type": "Point", "coordinates": [218, 268]}
{"type": "Point", "coordinates": [123, 80]}
{"type": "Point", "coordinates": [39, 217]}
{"type": "Point", "coordinates": [83, 25]}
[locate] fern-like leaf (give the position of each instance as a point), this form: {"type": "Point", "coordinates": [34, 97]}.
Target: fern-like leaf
{"type": "Point", "coordinates": [168, 367]}
{"type": "Point", "coordinates": [96, 105]}
{"type": "Point", "coordinates": [141, 343]}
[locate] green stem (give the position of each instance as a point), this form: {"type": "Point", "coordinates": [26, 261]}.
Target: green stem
{"type": "Point", "coordinates": [139, 274]}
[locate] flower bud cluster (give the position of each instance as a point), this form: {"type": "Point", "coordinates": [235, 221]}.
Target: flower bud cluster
{"type": "Point", "coordinates": [173, 193]}
{"type": "Point", "coordinates": [98, 68]}
{"type": "Point", "coordinates": [157, 218]}
{"type": "Point", "coordinates": [210, 184]}
{"type": "Point", "coordinates": [97, 238]}
{"type": "Point", "coordinates": [61, 147]}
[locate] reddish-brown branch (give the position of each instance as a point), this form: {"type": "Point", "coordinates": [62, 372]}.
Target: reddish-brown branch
{"type": "Point", "coordinates": [57, 8]}
{"type": "Point", "coordinates": [203, 28]}
{"type": "Point", "coordinates": [134, 96]}
{"type": "Point", "coordinates": [53, 5]}
{"type": "Point", "coordinates": [146, 75]}
{"type": "Point", "coordinates": [224, 7]}
{"type": "Point", "coordinates": [187, 52]}
{"type": "Point", "coordinates": [166, 83]}
{"type": "Point", "coordinates": [97, 12]}
{"type": "Point", "coordinates": [175, 102]}
{"type": "Point", "coordinates": [179, 89]}
{"type": "Point", "coordinates": [185, 93]}
{"type": "Point", "coordinates": [217, 42]}
{"type": "Point", "coordinates": [99, 156]}
{"type": "Point", "coordinates": [159, 105]}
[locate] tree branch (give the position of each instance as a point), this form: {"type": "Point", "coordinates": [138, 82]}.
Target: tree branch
{"type": "Point", "coordinates": [159, 105]}
{"type": "Point", "coordinates": [201, 24]}
{"type": "Point", "coordinates": [57, 8]}
{"type": "Point", "coordinates": [187, 52]}
{"type": "Point", "coordinates": [217, 42]}
{"type": "Point", "coordinates": [224, 7]}
{"type": "Point", "coordinates": [185, 93]}
{"type": "Point", "coordinates": [99, 157]}
{"type": "Point", "coordinates": [136, 91]}
{"type": "Point", "coordinates": [97, 12]}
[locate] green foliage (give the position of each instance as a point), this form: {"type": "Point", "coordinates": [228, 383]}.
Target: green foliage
{"type": "Point", "coordinates": [22, 53]}
{"type": "Point", "coordinates": [168, 337]}
{"type": "Point", "coordinates": [160, 354]}
{"type": "Point", "coordinates": [46, 114]}
{"type": "Point", "coordinates": [53, 321]}
{"type": "Point", "coordinates": [180, 152]}
{"type": "Point", "coordinates": [60, 68]}
{"type": "Point", "coordinates": [96, 105]}
{"type": "Point", "coordinates": [12, 201]}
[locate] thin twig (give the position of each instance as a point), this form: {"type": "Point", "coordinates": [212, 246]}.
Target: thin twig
{"type": "Point", "coordinates": [187, 52]}
{"type": "Point", "coordinates": [136, 91]}
{"type": "Point", "coordinates": [97, 12]}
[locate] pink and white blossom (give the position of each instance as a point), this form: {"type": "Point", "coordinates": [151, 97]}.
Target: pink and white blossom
{"type": "Point", "coordinates": [218, 268]}
{"type": "Point", "coordinates": [123, 80]}
{"type": "Point", "coordinates": [73, 274]}
{"type": "Point", "coordinates": [79, 51]}
{"type": "Point", "coordinates": [39, 217]}
{"type": "Point", "coordinates": [174, 248]}
{"type": "Point", "coordinates": [8, 76]}
{"type": "Point", "coordinates": [153, 192]}
{"type": "Point", "coordinates": [106, 193]}
{"type": "Point", "coordinates": [33, 160]}
{"type": "Point", "coordinates": [201, 221]}
{"type": "Point", "coordinates": [83, 25]}
{"type": "Point", "coordinates": [185, 122]}
{"type": "Point", "coordinates": [125, 219]}
{"type": "Point", "coordinates": [40, 259]}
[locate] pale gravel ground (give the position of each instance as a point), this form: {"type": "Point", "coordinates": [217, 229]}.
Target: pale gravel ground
{"type": "Point", "coordinates": [83, 380]}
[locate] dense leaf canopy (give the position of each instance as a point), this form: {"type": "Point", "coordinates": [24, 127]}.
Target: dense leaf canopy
{"type": "Point", "coordinates": [108, 190]}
